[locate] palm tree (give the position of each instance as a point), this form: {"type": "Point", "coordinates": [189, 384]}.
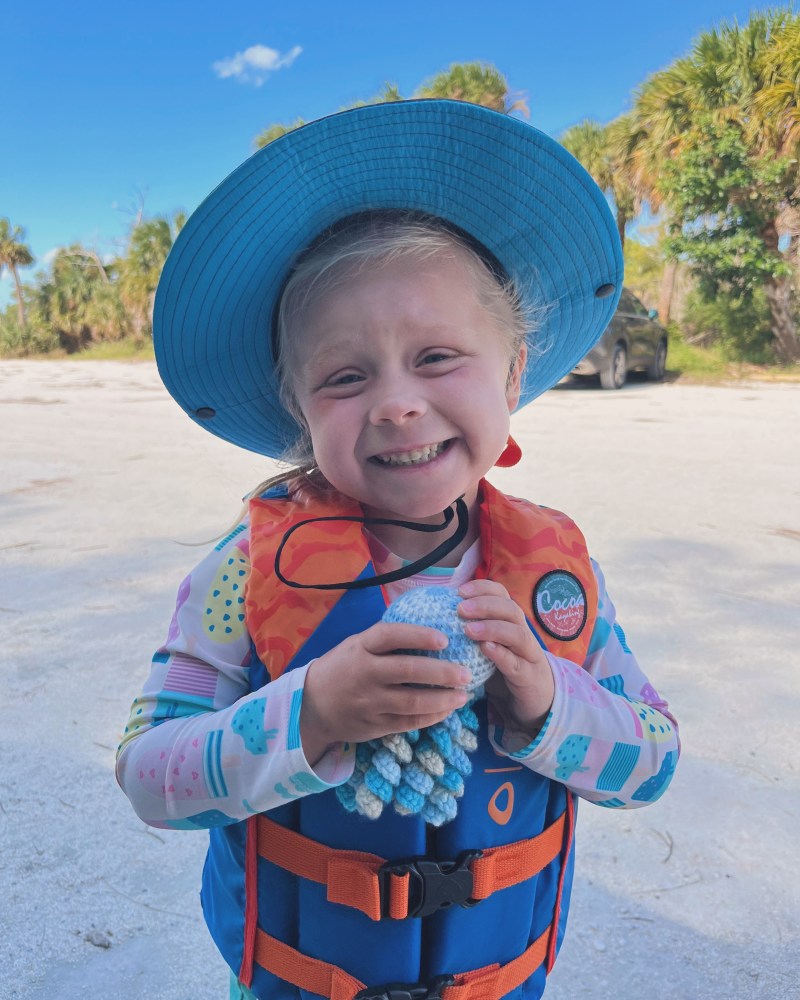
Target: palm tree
{"type": "Point", "coordinates": [389, 95]}
{"type": "Point", "coordinates": [597, 147]}
{"type": "Point", "coordinates": [738, 77]}
{"type": "Point", "coordinates": [475, 82]}
{"type": "Point", "coordinates": [637, 167]}
{"type": "Point", "coordinates": [76, 303]}
{"type": "Point", "coordinates": [777, 104]}
{"type": "Point", "coordinates": [14, 254]}
{"type": "Point", "coordinates": [777, 101]}
{"type": "Point", "coordinates": [150, 242]}
{"type": "Point", "coordinates": [275, 132]}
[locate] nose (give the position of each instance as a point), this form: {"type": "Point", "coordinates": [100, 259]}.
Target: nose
{"type": "Point", "coordinates": [397, 401]}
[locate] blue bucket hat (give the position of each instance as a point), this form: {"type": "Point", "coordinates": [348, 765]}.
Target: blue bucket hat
{"type": "Point", "coordinates": [511, 188]}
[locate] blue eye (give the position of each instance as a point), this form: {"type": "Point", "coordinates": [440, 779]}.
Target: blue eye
{"type": "Point", "coordinates": [347, 379]}
{"type": "Point", "coordinates": [434, 357]}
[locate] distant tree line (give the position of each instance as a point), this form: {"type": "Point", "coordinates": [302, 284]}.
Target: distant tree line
{"type": "Point", "coordinates": [81, 298]}
{"type": "Point", "coordinates": [710, 148]}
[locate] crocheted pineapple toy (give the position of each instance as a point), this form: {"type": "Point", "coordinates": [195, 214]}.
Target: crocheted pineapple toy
{"type": "Point", "coordinates": [423, 771]}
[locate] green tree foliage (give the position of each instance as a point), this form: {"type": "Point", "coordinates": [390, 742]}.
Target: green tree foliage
{"type": "Point", "coordinates": [729, 197]}
{"type": "Point", "coordinates": [719, 128]}
{"type": "Point", "coordinates": [82, 300]}
{"type": "Point", "coordinates": [475, 82]}
{"type": "Point", "coordinates": [274, 132]}
{"type": "Point", "coordinates": [389, 95]}
{"type": "Point", "coordinates": [644, 267]}
{"type": "Point", "coordinates": [14, 254]}
{"type": "Point", "coordinates": [740, 325]}
{"type": "Point", "coordinates": [78, 301]}
{"type": "Point", "coordinates": [139, 270]}
{"type": "Point", "coordinates": [597, 147]}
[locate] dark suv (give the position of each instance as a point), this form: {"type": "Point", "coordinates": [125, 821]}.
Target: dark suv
{"type": "Point", "coordinates": [634, 341]}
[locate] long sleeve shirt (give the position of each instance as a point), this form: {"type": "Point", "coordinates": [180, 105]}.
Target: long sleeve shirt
{"type": "Point", "coordinates": [202, 748]}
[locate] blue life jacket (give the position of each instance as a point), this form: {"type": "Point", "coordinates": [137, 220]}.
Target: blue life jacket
{"type": "Point", "coordinates": [261, 914]}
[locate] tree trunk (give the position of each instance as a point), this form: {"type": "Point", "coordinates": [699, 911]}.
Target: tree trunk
{"type": "Point", "coordinates": [20, 301]}
{"type": "Point", "coordinates": [784, 330]}
{"type": "Point", "coordinates": [667, 288]}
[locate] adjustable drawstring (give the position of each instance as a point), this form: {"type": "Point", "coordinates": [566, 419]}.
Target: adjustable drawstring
{"type": "Point", "coordinates": [462, 525]}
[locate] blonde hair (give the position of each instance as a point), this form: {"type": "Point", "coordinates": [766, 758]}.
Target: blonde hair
{"type": "Point", "coordinates": [376, 240]}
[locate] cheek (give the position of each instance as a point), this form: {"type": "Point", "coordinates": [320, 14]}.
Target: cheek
{"type": "Point", "coordinates": [331, 428]}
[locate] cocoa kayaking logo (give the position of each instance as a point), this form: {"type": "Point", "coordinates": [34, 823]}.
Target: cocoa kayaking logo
{"type": "Point", "coordinates": [559, 603]}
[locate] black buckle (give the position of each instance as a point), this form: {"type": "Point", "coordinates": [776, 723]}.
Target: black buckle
{"type": "Point", "coordinates": [407, 991]}
{"type": "Point", "coordinates": [432, 886]}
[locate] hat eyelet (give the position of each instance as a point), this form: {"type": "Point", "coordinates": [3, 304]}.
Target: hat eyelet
{"type": "Point", "coordinates": [205, 413]}
{"type": "Point", "coordinates": [603, 291]}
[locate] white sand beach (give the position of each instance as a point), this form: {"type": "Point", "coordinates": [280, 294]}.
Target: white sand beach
{"type": "Point", "coordinates": [689, 497]}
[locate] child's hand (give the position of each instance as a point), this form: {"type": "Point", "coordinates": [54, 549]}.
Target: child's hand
{"type": "Point", "coordinates": [523, 686]}
{"type": "Point", "coordinates": [359, 690]}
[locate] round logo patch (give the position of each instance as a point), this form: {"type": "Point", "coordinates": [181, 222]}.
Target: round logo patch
{"type": "Point", "coordinates": [559, 603]}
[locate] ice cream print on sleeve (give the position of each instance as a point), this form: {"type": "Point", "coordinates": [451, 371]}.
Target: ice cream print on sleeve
{"type": "Point", "coordinates": [631, 753]}
{"type": "Point", "coordinates": [234, 752]}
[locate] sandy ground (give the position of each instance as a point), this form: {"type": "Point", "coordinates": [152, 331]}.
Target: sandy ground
{"type": "Point", "coordinates": [690, 500]}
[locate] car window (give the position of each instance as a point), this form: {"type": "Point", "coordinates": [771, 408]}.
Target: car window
{"type": "Point", "coordinates": [628, 303]}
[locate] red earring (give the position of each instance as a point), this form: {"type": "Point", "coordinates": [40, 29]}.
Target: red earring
{"type": "Point", "coordinates": [512, 453]}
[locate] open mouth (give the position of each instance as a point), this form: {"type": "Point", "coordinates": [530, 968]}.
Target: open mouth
{"type": "Point", "coordinates": [417, 456]}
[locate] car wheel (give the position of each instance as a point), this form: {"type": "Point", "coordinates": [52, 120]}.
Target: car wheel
{"type": "Point", "coordinates": [656, 370]}
{"type": "Point", "coordinates": [614, 374]}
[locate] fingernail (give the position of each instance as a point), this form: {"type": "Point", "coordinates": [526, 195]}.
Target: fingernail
{"type": "Point", "coordinates": [442, 641]}
{"type": "Point", "coordinates": [474, 628]}
{"type": "Point", "coordinates": [465, 589]}
{"type": "Point", "coordinates": [464, 676]}
{"type": "Point", "coordinates": [466, 607]}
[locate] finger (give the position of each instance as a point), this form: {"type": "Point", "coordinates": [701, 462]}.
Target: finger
{"type": "Point", "coordinates": [493, 607]}
{"type": "Point", "coordinates": [427, 671]}
{"type": "Point", "coordinates": [518, 672]}
{"type": "Point", "coordinates": [386, 637]}
{"type": "Point", "coordinates": [480, 588]}
{"type": "Point", "coordinates": [418, 701]}
{"type": "Point", "coordinates": [512, 635]}
{"type": "Point", "coordinates": [509, 664]}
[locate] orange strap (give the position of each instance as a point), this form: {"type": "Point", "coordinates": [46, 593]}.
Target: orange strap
{"type": "Point", "coordinates": [352, 876]}
{"type": "Point", "coordinates": [326, 980]}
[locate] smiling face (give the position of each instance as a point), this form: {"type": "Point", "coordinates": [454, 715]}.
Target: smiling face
{"type": "Point", "coordinates": [404, 381]}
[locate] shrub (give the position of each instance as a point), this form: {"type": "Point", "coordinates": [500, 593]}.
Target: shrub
{"type": "Point", "coordinates": [21, 342]}
{"type": "Point", "coordinates": [740, 325]}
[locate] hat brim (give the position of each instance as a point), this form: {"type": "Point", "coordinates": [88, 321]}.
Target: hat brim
{"type": "Point", "coordinates": [511, 187]}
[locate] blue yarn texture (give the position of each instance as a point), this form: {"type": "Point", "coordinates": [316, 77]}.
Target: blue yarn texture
{"type": "Point", "coordinates": [422, 772]}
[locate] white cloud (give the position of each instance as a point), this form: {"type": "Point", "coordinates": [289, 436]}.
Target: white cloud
{"type": "Point", "coordinates": [255, 64]}
{"type": "Point", "coordinates": [50, 256]}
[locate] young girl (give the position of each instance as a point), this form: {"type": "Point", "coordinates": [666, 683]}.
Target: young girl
{"type": "Point", "coordinates": [373, 295]}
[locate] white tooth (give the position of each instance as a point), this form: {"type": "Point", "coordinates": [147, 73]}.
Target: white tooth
{"type": "Point", "coordinates": [413, 457]}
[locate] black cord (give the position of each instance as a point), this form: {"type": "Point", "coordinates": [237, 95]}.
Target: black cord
{"type": "Point", "coordinates": [417, 566]}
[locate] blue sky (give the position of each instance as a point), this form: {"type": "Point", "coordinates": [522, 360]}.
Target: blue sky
{"type": "Point", "coordinates": [106, 103]}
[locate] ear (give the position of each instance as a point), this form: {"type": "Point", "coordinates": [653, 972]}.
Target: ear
{"type": "Point", "coordinates": [514, 383]}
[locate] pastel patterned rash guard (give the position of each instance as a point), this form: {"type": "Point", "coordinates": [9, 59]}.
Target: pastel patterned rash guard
{"type": "Point", "coordinates": [203, 749]}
